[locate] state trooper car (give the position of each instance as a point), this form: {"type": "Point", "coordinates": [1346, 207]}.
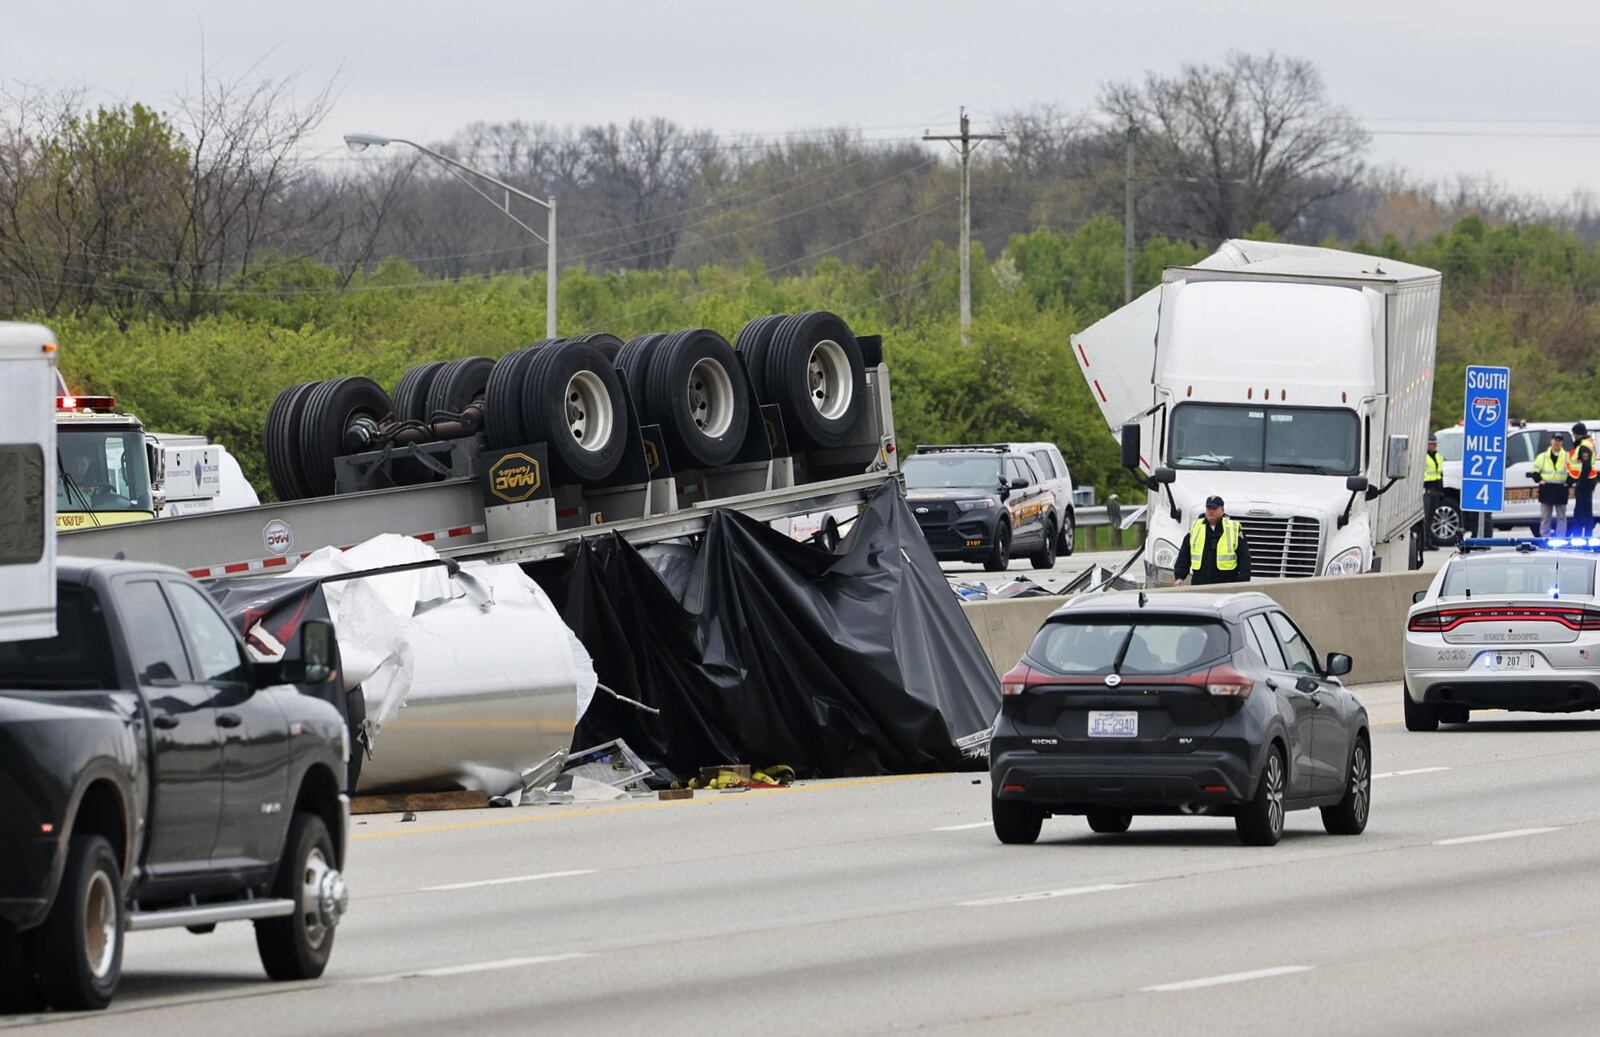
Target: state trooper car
{"type": "Point", "coordinates": [1509, 623]}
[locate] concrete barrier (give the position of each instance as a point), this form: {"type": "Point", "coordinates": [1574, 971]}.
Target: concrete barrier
{"type": "Point", "coordinates": [1362, 616]}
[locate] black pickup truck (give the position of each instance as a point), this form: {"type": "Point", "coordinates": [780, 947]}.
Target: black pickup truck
{"type": "Point", "coordinates": [153, 775]}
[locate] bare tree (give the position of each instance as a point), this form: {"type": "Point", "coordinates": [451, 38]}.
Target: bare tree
{"type": "Point", "coordinates": [1253, 139]}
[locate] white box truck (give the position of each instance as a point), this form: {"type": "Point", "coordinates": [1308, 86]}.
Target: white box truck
{"type": "Point", "coordinates": [27, 482]}
{"type": "Point", "coordinates": [1294, 382]}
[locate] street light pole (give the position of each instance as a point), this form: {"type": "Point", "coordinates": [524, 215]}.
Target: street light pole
{"type": "Point", "coordinates": [362, 141]}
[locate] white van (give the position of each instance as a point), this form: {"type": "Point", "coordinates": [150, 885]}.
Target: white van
{"type": "Point", "coordinates": [27, 482]}
{"type": "Point", "coordinates": [1058, 480]}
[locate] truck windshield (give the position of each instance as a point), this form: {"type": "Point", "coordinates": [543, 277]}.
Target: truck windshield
{"type": "Point", "coordinates": [1109, 644]}
{"type": "Point", "coordinates": [78, 658]}
{"type": "Point", "coordinates": [1265, 439]}
{"type": "Point", "coordinates": [937, 472]}
{"type": "Point", "coordinates": [102, 469]}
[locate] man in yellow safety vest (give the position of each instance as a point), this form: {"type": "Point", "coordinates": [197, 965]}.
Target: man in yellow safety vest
{"type": "Point", "coordinates": [1581, 473]}
{"type": "Point", "coordinates": [1215, 551]}
{"type": "Point", "coordinates": [1433, 496]}
{"type": "Point", "coordinates": [1550, 472]}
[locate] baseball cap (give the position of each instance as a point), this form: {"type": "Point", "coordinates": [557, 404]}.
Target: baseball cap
{"type": "Point", "coordinates": [1213, 501]}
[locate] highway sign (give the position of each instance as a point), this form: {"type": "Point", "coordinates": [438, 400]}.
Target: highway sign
{"type": "Point", "coordinates": [1483, 456]}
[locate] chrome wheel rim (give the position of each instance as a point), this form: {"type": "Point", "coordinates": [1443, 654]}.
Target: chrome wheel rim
{"type": "Point", "coordinates": [1274, 783]}
{"type": "Point", "coordinates": [828, 377]}
{"type": "Point", "coordinates": [100, 925]}
{"type": "Point", "coordinates": [588, 411]}
{"type": "Point", "coordinates": [710, 397]}
{"type": "Point", "coordinates": [1360, 784]}
{"type": "Point", "coordinates": [315, 883]}
{"type": "Point", "coordinates": [1446, 523]}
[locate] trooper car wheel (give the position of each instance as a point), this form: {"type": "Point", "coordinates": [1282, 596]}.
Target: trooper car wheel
{"type": "Point", "coordinates": [1420, 716]}
{"type": "Point", "coordinates": [999, 559]}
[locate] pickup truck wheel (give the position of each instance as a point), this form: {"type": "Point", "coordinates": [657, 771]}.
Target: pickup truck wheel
{"type": "Point", "coordinates": [78, 949]}
{"type": "Point", "coordinates": [297, 946]}
{"type": "Point", "coordinates": [19, 989]}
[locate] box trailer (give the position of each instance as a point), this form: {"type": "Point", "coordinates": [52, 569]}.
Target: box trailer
{"type": "Point", "coordinates": [27, 482]}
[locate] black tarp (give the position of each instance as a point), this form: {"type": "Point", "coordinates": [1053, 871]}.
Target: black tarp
{"type": "Point", "coordinates": [847, 663]}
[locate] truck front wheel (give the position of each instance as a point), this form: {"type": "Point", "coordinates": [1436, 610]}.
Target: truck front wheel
{"type": "Point", "coordinates": [78, 949]}
{"type": "Point", "coordinates": [297, 946]}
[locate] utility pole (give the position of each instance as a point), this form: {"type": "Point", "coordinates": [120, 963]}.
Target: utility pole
{"type": "Point", "coordinates": [967, 141]}
{"type": "Point", "coordinates": [1127, 220]}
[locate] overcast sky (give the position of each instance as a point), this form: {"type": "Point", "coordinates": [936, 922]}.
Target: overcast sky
{"type": "Point", "coordinates": [1528, 69]}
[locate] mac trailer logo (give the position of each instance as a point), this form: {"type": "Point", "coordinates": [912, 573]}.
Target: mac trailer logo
{"type": "Point", "coordinates": [277, 537]}
{"type": "Point", "coordinates": [1112, 680]}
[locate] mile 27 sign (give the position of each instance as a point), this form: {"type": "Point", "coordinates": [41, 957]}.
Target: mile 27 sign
{"type": "Point", "coordinates": [1483, 457]}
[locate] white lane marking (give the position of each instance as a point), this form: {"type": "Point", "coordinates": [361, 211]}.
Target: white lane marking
{"type": "Point", "coordinates": [1232, 977]}
{"type": "Point", "coordinates": [475, 966]}
{"type": "Point", "coordinates": [1407, 774]}
{"type": "Point", "coordinates": [963, 828]}
{"type": "Point", "coordinates": [1048, 894]}
{"type": "Point", "coordinates": [1490, 837]}
{"type": "Point", "coordinates": [506, 882]}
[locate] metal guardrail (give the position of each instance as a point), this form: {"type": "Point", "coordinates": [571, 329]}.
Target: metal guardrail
{"type": "Point", "coordinates": [1112, 515]}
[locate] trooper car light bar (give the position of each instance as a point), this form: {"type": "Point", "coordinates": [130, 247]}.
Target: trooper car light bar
{"type": "Point", "coordinates": [1531, 543]}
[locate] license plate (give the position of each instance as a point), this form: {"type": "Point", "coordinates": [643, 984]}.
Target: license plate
{"type": "Point", "coordinates": [1521, 493]}
{"type": "Point", "coordinates": [1510, 661]}
{"type": "Point", "coordinates": [1113, 723]}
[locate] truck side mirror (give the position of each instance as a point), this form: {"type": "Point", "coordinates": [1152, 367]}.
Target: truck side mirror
{"type": "Point", "coordinates": [1130, 445]}
{"type": "Point", "coordinates": [1356, 483]}
{"type": "Point", "coordinates": [1399, 453]}
{"type": "Point", "coordinates": [1165, 476]}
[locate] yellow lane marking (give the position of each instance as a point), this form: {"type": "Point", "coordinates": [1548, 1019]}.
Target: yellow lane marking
{"type": "Point", "coordinates": [531, 818]}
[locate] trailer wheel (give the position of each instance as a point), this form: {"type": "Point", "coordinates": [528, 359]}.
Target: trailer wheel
{"type": "Point", "coordinates": [78, 949]}
{"type": "Point", "coordinates": [696, 391]}
{"type": "Point", "coordinates": [753, 342]}
{"type": "Point", "coordinates": [572, 401]}
{"type": "Point", "coordinates": [280, 441]}
{"type": "Point", "coordinates": [631, 361]}
{"type": "Point", "coordinates": [503, 404]}
{"type": "Point", "coordinates": [816, 375]}
{"type": "Point", "coordinates": [411, 391]}
{"type": "Point", "coordinates": [329, 413]}
{"type": "Point", "coordinates": [458, 384]}
{"type": "Point", "coordinates": [608, 344]}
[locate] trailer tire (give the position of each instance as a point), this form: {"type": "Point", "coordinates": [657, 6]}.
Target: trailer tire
{"type": "Point", "coordinates": [631, 360]}
{"type": "Point", "coordinates": [328, 413]}
{"type": "Point", "coordinates": [753, 343]}
{"type": "Point", "coordinates": [817, 377]}
{"type": "Point", "coordinates": [696, 390]}
{"type": "Point", "coordinates": [572, 402]}
{"type": "Point", "coordinates": [608, 344]}
{"type": "Point", "coordinates": [280, 441]}
{"type": "Point", "coordinates": [503, 418]}
{"type": "Point", "coordinates": [458, 384]}
{"type": "Point", "coordinates": [411, 391]}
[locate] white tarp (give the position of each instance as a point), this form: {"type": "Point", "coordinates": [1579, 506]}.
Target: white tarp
{"type": "Point", "coordinates": [468, 679]}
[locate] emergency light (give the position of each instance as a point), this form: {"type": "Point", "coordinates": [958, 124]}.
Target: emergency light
{"type": "Point", "coordinates": [101, 403]}
{"type": "Point", "coordinates": [1531, 543]}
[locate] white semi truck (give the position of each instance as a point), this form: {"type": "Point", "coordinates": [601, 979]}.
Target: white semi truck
{"type": "Point", "coordinates": [27, 482]}
{"type": "Point", "coordinates": [1295, 383]}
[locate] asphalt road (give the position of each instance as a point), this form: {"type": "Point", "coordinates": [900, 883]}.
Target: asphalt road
{"type": "Point", "coordinates": [1471, 905]}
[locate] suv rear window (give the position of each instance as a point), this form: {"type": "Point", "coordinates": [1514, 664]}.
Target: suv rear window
{"type": "Point", "coordinates": [78, 658]}
{"type": "Point", "coordinates": [1098, 645]}
{"type": "Point", "coordinates": [1519, 575]}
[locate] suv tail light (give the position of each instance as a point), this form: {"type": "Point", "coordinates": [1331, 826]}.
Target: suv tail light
{"type": "Point", "coordinates": [1018, 678]}
{"type": "Point", "coordinates": [1225, 680]}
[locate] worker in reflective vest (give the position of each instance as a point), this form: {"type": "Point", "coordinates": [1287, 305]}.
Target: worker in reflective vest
{"type": "Point", "coordinates": [1215, 551]}
{"type": "Point", "coordinates": [1550, 472]}
{"type": "Point", "coordinates": [1442, 523]}
{"type": "Point", "coordinates": [1581, 473]}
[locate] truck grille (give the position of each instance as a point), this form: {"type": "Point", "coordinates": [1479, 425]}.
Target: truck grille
{"type": "Point", "coordinates": [1289, 546]}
